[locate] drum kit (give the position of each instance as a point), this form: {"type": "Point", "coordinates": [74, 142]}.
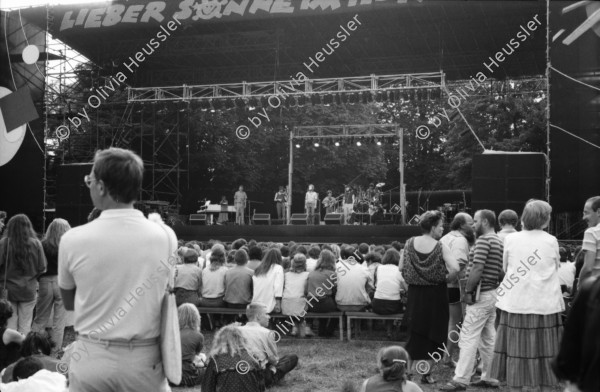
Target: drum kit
{"type": "Point", "coordinates": [369, 202]}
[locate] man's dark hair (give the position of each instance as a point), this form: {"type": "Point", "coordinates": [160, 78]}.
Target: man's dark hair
{"type": "Point", "coordinates": [237, 244]}
{"type": "Point", "coordinates": [508, 217]}
{"type": "Point", "coordinates": [240, 257]}
{"type": "Point", "coordinates": [36, 343]}
{"type": "Point", "coordinates": [346, 252]}
{"type": "Point", "coordinates": [26, 368]}
{"type": "Point", "coordinates": [2, 214]}
{"type": "Point", "coordinates": [285, 251]}
{"type": "Point", "coordinates": [314, 252]}
{"type": "Point", "coordinates": [595, 202]}
{"type": "Point", "coordinates": [363, 248]}
{"type": "Point", "coordinates": [429, 220]}
{"type": "Point", "coordinates": [302, 249]}
{"type": "Point", "coordinates": [255, 253]}
{"type": "Point", "coordinates": [121, 171]}
{"type": "Point", "coordinates": [488, 215]}
{"type": "Point", "coordinates": [397, 245]}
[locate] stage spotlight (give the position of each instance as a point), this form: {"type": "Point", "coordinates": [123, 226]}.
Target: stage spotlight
{"type": "Point", "coordinates": [297, 145]}
{"type": "Point", "coordinates": [316, 144]}
{"type": "Point", "coordinates": [378, 142]}
{"type": "Point", "coordinates": [358, 143]}
{"type": "Point", "coordinates": [253, 102]}
{"type": "Point", "coordinates": [204, 105]}
{"type": "Point", "coordinates": [337, 144]}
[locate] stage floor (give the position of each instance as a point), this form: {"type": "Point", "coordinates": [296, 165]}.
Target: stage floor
{"type": "Point", "coordinates": [371, 234]}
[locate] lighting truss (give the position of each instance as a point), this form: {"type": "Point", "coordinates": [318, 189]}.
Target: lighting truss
{"type": "Point", "coordinates": [384, 83]}
{"type": "Point", "coordinates": [346, 131]}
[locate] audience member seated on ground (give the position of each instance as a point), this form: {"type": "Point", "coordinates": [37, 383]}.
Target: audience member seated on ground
{"type": "Point", "coordinates": [237, 244]}
{"type": "Point", "coordinates": [49, 298]}
{"type": "Point", "coordinates": [263, 347]}
{"type": "Point", "coordinates": [389, 287]}
{"type": "Point", "coordinates": [508, 220]}
{"type": "Point", "coordinates": [267, 281]}
{"type": "Point", "coordinates": [22, 261]}
{"type": "Point", "coordinates": [192, 342]}
{"type": "Point", "coordinates": [231, 367]}
{"type": "Point", "coordinates": [37, 345]}
{"type": "Point", "coordinates": [363, 249]}
{"type": "Point", "coordinates": [285, 258]}
{"type": "Point", "coordinates": [213, 280]}
{"type": "Point", "coordinates": [566, 271]}
{"type": "Point", "coordinates": [194, 245]}
{"type": "Point", "coordinates": [302, 249]}
{"type": "Point", "coordinates": [255, 255]}
{"type": "Point", "coordinates": [335, 249]}
{"type": "Point", "coordinates": [313, 256]}
{"type": "Point", "coordinates": [322, 285]}
{"type": "Point", "coordinates": [216, 245]}
{"type": "Point", "coordinates": [293, 302]}
{"type": "Point", "coordinates": [10, 344]}
{"type": "Point", "coordinates": [392, 362]}
{"type": "Point", "coordinates": [578, 360]}
{"type": "Point", "coordinates": [238, 282]}
{"type": "Point", "coordinates": [188, 279]}
{"type": "Point", "coordinates": [30, 376]}
{"type": "Point", "coordinates": [373, 260]}
{"type": "Point", "coordinates": [354, 283]}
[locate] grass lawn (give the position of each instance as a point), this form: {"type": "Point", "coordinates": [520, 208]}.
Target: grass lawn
{"type": "Point", "coordinates": [332, 365]}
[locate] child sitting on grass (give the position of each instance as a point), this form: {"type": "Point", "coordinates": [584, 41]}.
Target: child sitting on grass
{"type": "Point", "coordinates": [392, 362]}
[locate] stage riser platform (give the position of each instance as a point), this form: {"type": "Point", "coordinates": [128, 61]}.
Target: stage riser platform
{"type": "Point", "coordinates": [303, 234]}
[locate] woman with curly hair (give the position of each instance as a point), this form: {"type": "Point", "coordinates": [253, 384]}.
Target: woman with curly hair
{"type": "Point", "coordinates": [22, 261]}
{"type": "Point", "coordinates": [230, 366]}
{"type": "Point", "coordinates": [10, 340]}
{"type": "Point", "coordinates": [49, 297]}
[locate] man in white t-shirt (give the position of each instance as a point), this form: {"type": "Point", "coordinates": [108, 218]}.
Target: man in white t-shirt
{"type": "Point", "coordinates": [313, 258]}
{"type": "Point", "coordinates": [456, 240]}
{"type": "Point", "coordinates": [591, 239]}
{"type": "Point", "coordinates": [113, 273]}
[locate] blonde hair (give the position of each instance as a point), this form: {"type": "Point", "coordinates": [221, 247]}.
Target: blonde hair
{"type": "Point", "coordinates": [229, 340]}
{"type": "Point", "coordinates": [536, 214]}
{"type": "Point", "coordinates": [55, 231]}
{"type": "Point", "coordinates": [189, 317]}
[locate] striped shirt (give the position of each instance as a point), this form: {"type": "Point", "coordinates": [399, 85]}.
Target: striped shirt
{"type": "Point", "coordinates": [488, 251]}
{"type": "Point", "coordinates": [591, 243]}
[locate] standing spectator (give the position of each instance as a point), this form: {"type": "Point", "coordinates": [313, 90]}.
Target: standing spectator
{"type": "Point", "coordinates": [313, 257]}
{"type": "Point", "coordinates": [280, 199]}
{"type": "Point", "coordinates": [392, 362]}
{"type": "Point", "coordinates": [478, 331]}
{"type": "Point", "coordinates": [102, 268]}
{"type": "Point", "coordinates": [263, 347]}
{"type": "Point", "coordinates": [192, 342]}
{"type": "Point", "coordinates": [49, 298]}
{"type": "Point", "coordinates": [427, 267]}
{"type": "Point", "coordinates": [255, 255]}
{"type": "Point", "coordinates": [531, 303]}
{"type": "Point", "coordinates": [456, 240]}
{"type": "Point", "coordinates": [591, 239]}
{"type": "Point", "coordinates": [578, 360]}
{"type": "Point", "coordinates": [230, 348]}
{"type": "Point", "coordinates": [22, 261]}
{"type": "Point", "coordinates": [238, 282]}
{"type": "Point", "coordinates": [354, 283]}
{"type": "Point", "coordinates": [295, 286]}
{"type": "Point", "coordinates": [268, 281]}
{"type": "Point", "coordinates": [239, 201]}
{"type": "Point", "coordinates": [322, 284]}
{"type": "Point", "coordinates": [213, 281]}
{"type": "Point", "coordinates": [188, 280]}
{"type": "Point", "coordinates": [10, 339]}
{"type": "Point", "coordinates": [508, 220]}
{"type": "Point", "coordinates": [389, 286]}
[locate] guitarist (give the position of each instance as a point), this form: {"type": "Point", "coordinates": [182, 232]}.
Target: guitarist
{"type": "Point", "coordinates": [329, 203]}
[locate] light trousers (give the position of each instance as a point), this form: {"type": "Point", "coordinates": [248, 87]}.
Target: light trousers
{"type": "Point", "coordinates": [22, 316]}
{"type": "Point", "coordinates": [50, 301]}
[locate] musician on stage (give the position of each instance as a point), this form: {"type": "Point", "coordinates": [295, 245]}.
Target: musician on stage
{"type": "Point", "coordinates": [372, 193]}
{"type": "Point", "coordinates": [310, 202]}
{"type": "Point", "coordinates": [280, 199]}
{"type": "Point", "coordinates": [239, 202]}
{"type": "Point", "coordinates": [223, 215]}
{"type": "Point", "coordinates": [349, 199]}
{"type": "Point", "coordinates": [329, 203]}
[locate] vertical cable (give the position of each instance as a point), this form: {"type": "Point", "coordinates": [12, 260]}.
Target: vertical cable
{"type": "Point", "coordinates": [548, 66]}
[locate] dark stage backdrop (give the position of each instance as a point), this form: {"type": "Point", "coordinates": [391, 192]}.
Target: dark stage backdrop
{"type": "Point", "coordinates": [507, 180]}
{"type": "Point", "coordinates": [575, 108]}
{"type": "Point", "coordinates": [22, 178]}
